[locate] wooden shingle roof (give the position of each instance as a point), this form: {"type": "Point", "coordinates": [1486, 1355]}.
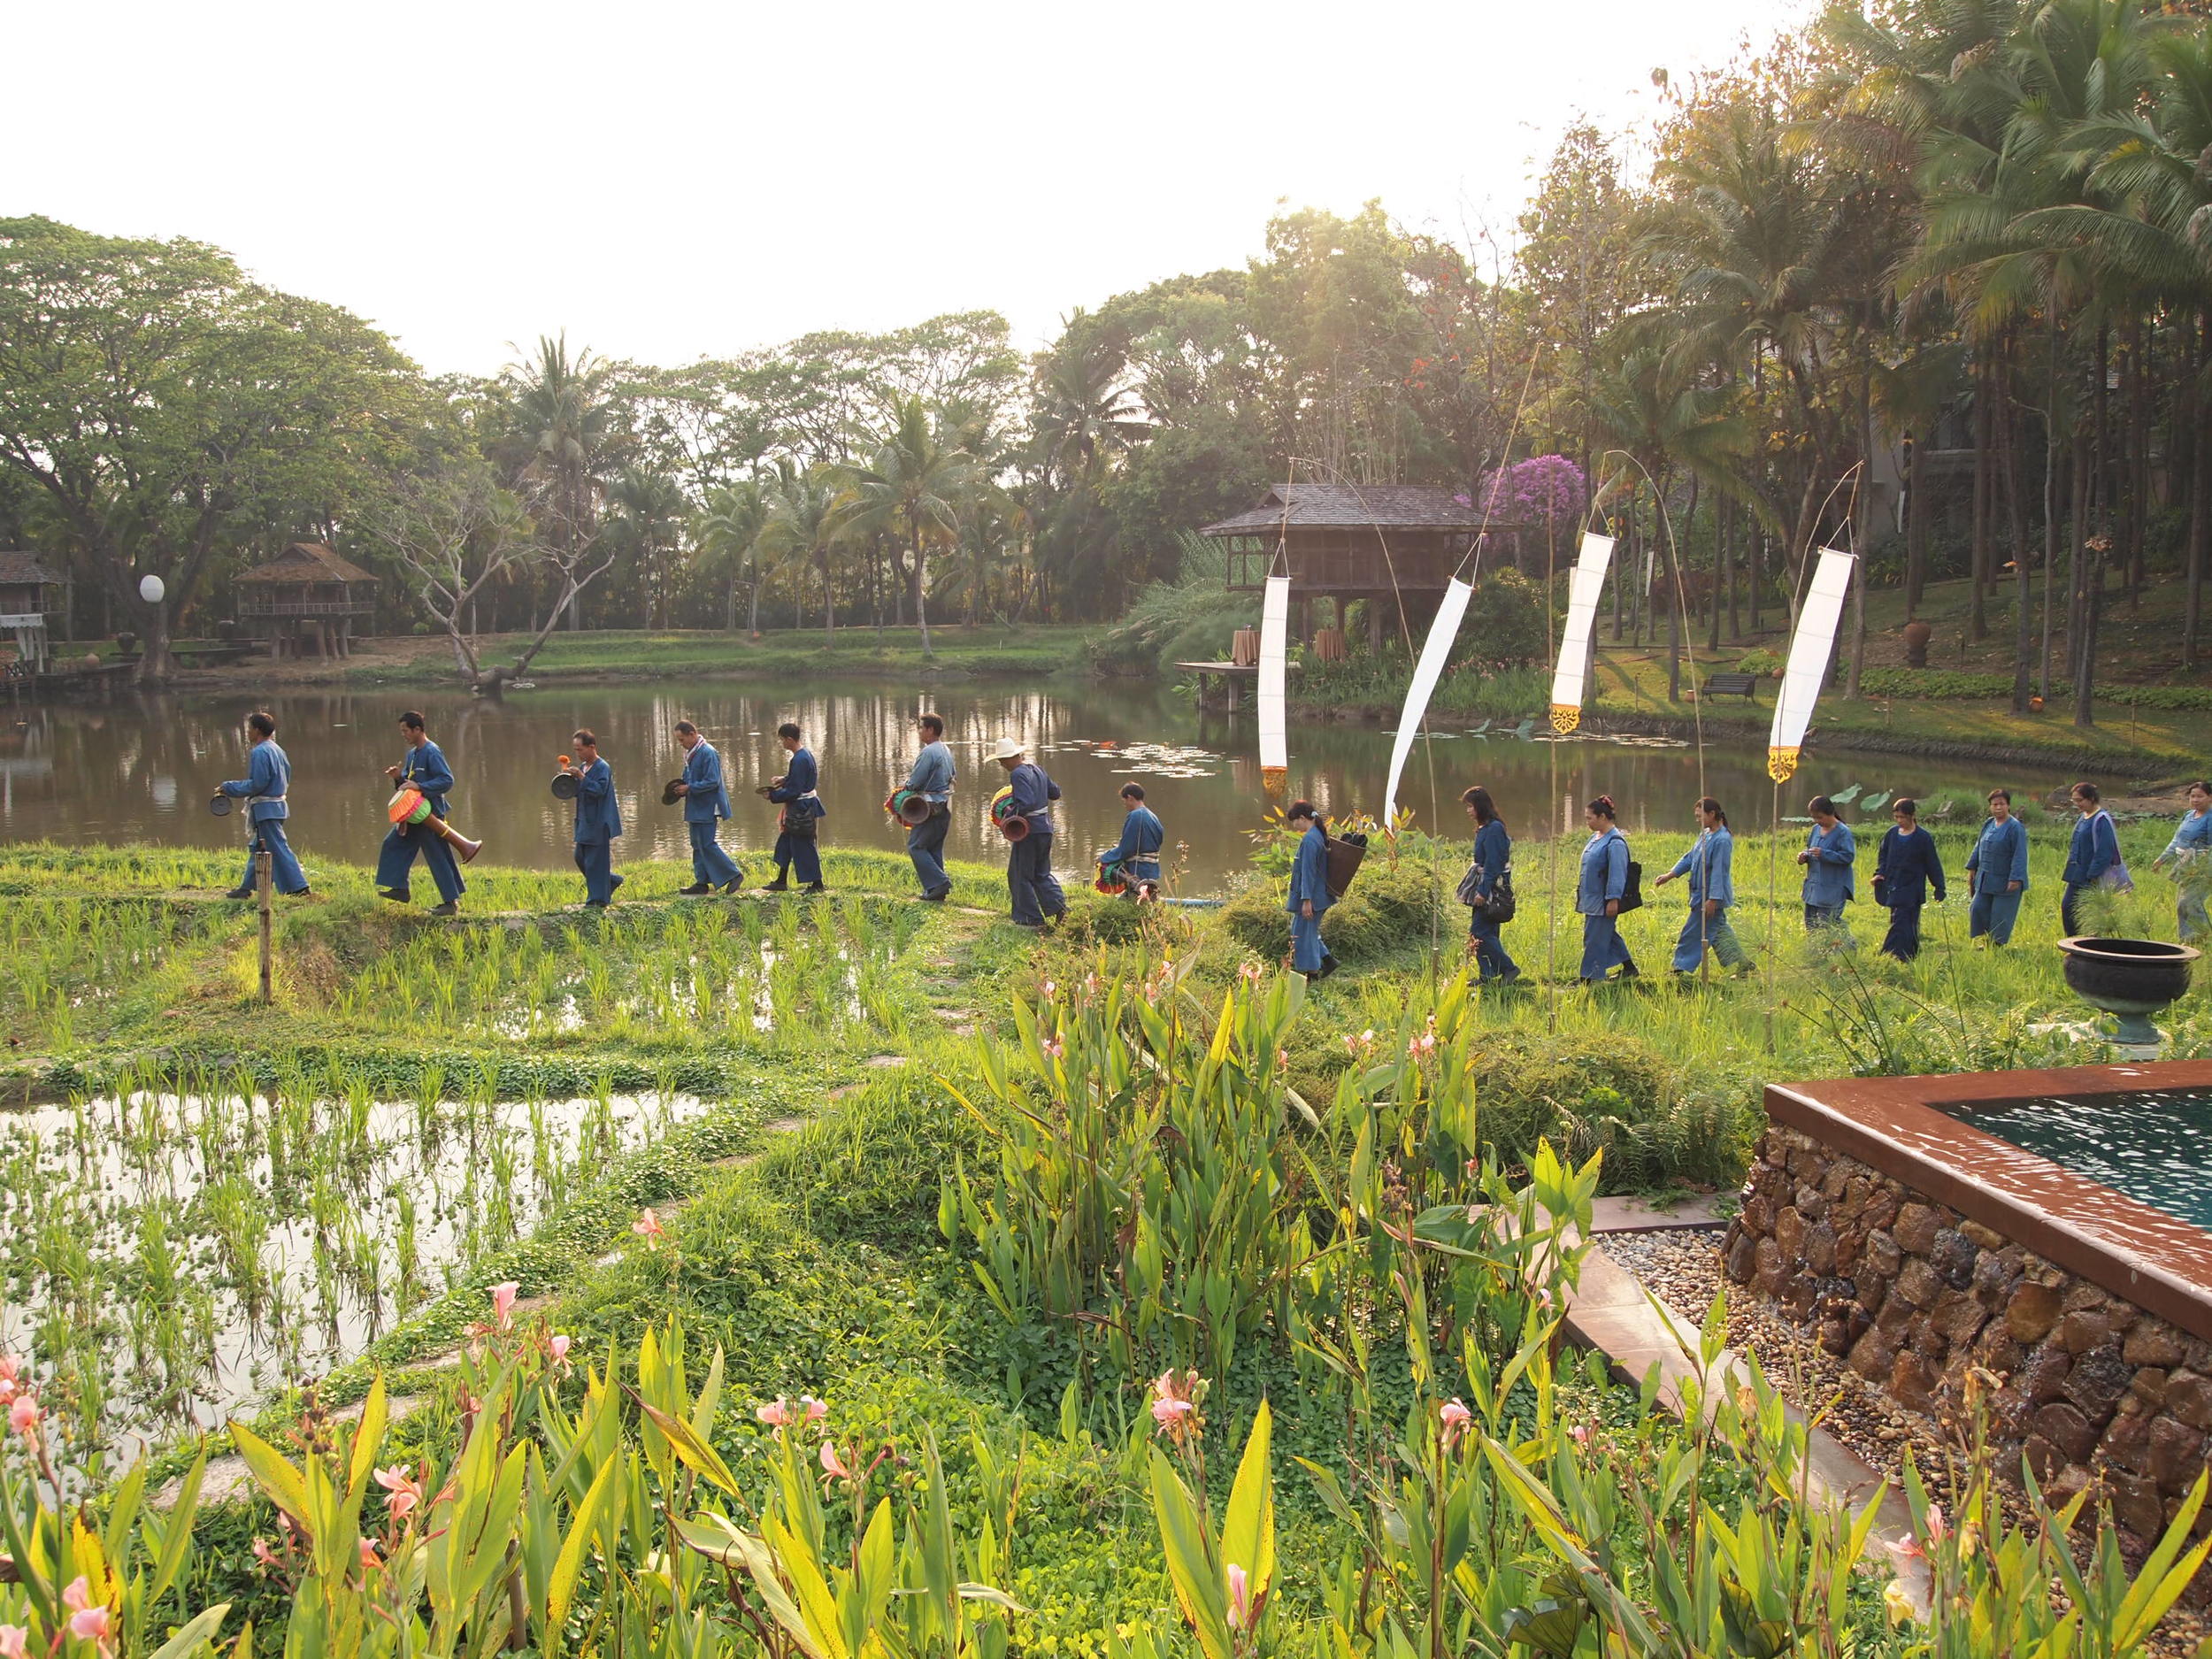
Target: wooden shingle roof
{"type": "Point", "coordinates": [19, 569]}
{"type": "Point", "coordinates": [307, 562]}
{"type": "Point", "coordinates": [1364, 506]}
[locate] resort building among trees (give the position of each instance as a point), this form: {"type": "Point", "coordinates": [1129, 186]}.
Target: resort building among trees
{"type": "Point", "coordinates": [1396, 543]}
{"type": "Point", "coordinates": [306, 600]}
{"type": "Point", "coordinates": [29, 592]}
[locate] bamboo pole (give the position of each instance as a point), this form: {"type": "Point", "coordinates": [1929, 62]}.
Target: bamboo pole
{"type": "Point", "coordinates": [263, 884]}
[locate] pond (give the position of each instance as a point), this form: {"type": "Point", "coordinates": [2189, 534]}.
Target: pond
{"type": "Point", "coordinates": [141, 768]}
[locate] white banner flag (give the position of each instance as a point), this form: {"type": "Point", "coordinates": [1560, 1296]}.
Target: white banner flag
{"type": "Point", "coordinates": [1809, 651]}
{"type": "Point", "coordinates": [1434, 653]}
{"type": "Point", "coordinates": [1274, 631]}
{"type": "Point", "coordinates": [1584, 588]}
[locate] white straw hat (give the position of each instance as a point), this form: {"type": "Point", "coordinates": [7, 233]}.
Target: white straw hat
{"type": "Point", "coordinates": [1007, 749]}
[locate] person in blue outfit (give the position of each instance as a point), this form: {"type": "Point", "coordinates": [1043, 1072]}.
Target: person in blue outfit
{"type": "Point", "coordinates": [1599, 889]}
{"type": "Point", "coordinates": [1494, 870]}
{"type": "Point", "coordinates": [1309, 899]}
{"type": "Point", "coordinates": [706, 800]}
{"type": "Point", "coordinates": [268, 780]}
{"type": "Point", "coordinates": [1030, 883]}
{"type": "Point", "coordinates": [798, 835]}
{"type": "Point", "coordinates": [424, 767]}
{"type": "Point", "coordinates": [598, 820]}
{"type": "Point", "coordinates": [932, 779]}
{"type": "Point", "coordinates": [1138, 851]}
{"type": "Point", "coordinates": [1711, 867]}
{"type": "Point", "coordinates": [2190, 853]}
{"type": "Point", "coordinates": [1830, 849]}
{"type": "Point", "coordinates": [1905, 867]}
{"type": "Point", "coordinates": [1997, 872]}
{"type": "Point", "coordinates": [2091, 856]}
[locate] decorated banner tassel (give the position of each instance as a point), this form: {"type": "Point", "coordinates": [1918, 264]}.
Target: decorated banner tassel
{"type": "Point", "coordinates": [1809, 651]}
{"type": "Point", "coordinates": [1274, 631]}
{"type": "Point", "coordinates": [1584, 588]}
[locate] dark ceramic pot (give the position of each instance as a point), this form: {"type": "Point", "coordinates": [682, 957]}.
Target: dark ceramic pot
{"type": "Point", "coordinates": [2131, 978]}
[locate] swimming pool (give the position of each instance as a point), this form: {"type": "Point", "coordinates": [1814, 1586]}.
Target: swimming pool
{"type": "Point", "coordinates": [2155, 1145]}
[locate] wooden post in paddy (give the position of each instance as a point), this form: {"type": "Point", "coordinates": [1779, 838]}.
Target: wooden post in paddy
{"type": "Point", "coordinates": [264, 880]}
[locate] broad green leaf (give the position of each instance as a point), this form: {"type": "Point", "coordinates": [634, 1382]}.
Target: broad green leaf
{"type": "Point", "coordinates": [1198, 1582]}
{"type": "Point", "coordinates": [279, 1481]}
{"type": "Point", "coordinates": [689, 1447]}
{"type": "Point", "coordinates": [192, 1637]}
{"type": "Point", "coordinates": [1248, 1534]}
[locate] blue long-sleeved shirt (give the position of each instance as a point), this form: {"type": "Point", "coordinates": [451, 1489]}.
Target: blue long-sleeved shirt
{"type": "Point", "coordinates": [1828, 875]}
{"type": "Point", "coordinates": [1712, 867]}
{"type": "Point", "coordinates": [598, 814]}
{"type": "Point", "coordinates": [268, 781]}
{"type": "Point", "coordinates": [1494, 855]}
{"type": "Point", "coordinates": [1604, 872]}
{"type": "Point", "coordinates": [1033, 792]}
{"type": "Point", "coordinates": [2193, 834]}
{"type": "Point", "coordinates": [1138, 851]}
{"type": "Point", "coordinates": [933, 772]}
{"type": "Point", "coordinates": [2095, 849]}
{"type": "Point", "coordinates": [1310, 873]}
{"type": "Point", "coordinates": [1999, 857]}
{"type": "Point", "coordinates": [709, 797]}
{"type": "Point", "coordinates": [426, 768]}
{"type": "Point", "coordinates": [799, 779]}
{"type": "Point", "coordinates": [1905, 866]}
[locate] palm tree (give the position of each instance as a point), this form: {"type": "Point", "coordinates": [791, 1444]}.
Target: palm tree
{"type": "Point", "coordinates": [725, 531]}
{"type": "Point", "coordinates": [910, 489]}
{"type": "Point", "coordinates": [1086, 410]}
{"type": "Point", "coordinates": [563, 412]}
{"type": "Point", "coordinates": [646, 513]}
{"type": "Point", "coordinates": [801, 532]}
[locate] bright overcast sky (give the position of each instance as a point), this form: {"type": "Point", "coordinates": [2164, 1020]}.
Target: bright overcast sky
{"type": "Point", "coordinates": [668, 181]}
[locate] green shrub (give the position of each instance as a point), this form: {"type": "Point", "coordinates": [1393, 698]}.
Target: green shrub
{"type": "Point", "coordinates": [1387, 910]}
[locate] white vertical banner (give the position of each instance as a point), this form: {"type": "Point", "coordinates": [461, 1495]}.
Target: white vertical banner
{"type": "Point", "coordinates": [1584, 589]}
{"type": "Point", "coordinates": [1274, 642]}
{"type": "Point", "coordinates": [1435, 651]}
{"type": "Point", "coordinates": [1810, 648]}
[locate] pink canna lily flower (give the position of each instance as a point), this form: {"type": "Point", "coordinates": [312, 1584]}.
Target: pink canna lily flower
{"type": "Point", "coordinates": [263, 1553]}
{"type": "Point", "coordinates": [13, 1640]}
{"type": "Point", "coordinates": [1240, 1599]}
{"type": "Point", "coordinates": [776, 1414]}
{"type": "Point", "coordinates": [407, 1492]}
{"type": "Point", "coordinates": [832, 1465]}
{"type": "Point", "coordinates": [24, 1415]}
{"type": "Point", "coordinates": [1455, 1418]}
{"type": "Point", "coordinates": [648, 1228]}
{"type": "Point", "coordinates": [89, 1621]}
{"type": "Point", "coordinates": [370, 1562]}
{"type": "Point", "coordinates": [557, 1344]}
{"type": "Point", "coordinates": [503, 1303]}
{"type": "Point", "coordinates": [814, 1409]}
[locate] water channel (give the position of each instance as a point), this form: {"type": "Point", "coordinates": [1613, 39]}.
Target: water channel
{"type": "Point", "coordinates": [138, 768]}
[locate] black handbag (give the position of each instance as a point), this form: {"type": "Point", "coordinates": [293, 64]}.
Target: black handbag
{"type": "Point", "coordinates": [1632, 890]}
{"type": "Point", "coordinates": [1496, 907]}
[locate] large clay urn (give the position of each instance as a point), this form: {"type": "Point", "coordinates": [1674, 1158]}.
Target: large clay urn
{"type": "Point", "coordinates": [1918, 633]}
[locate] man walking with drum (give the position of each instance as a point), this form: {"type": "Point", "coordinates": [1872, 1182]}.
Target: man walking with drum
{"type": "Point", "coordinates": [424, 770]}
{"type": "Point", "coordinates": [931, 781]}
{"type": "Point", "coordinates": [798, 827]}
{"type": "Point", "coordinates": [598, 820]}
{"type": "Point", "coordinates": [706, 803]}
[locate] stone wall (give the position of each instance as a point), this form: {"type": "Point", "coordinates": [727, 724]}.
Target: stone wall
{"type": "Point", "coordinates": [1911, 1295]}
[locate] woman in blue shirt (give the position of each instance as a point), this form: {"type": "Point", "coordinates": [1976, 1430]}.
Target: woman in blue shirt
{"type": "Point", "coordinates": [1598, 891]}
{"type": "Point", "coordinates": [1711, 866]}
{"type": "Point", "coordinates": [1905, 867]}
{"type": "Point", "coordinates": [1828, 851]}
{"type": "Point", "coordinates": [1997, 871]}
{"type": "Point", "coordinates": [1308, 893]}
{"type": "Point", "coordinates": [1494, 866]}
{"type": "Point", "coordinates": [2190, 852]}
{"type": "Point", "coordinates": [2091, 855]}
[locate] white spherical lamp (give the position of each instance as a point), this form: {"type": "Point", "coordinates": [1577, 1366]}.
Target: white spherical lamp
{"type": "Point", "coordinates": [152, 589]}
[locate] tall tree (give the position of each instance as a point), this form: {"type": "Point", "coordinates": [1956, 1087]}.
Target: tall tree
{"type": "Point", "coordinates": [909, 489]}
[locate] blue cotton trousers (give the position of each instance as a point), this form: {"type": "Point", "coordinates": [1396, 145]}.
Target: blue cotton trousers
{"type": "Point", "coordinates": [709, 862]}
{"type": "Point", "coordinates": [284, 864]}
{"type": "Point", "coordinates": [596, 859]}
{"type": "Point", "coordinates": [1030, 883]}
{"type": "Point", "coordinates": [1699, 931]}
{"type": "Point", "coordinates": [926, 847]}
{"type": "Point", "coordinates": [800, 855]}
{"type": "Point", "coordinates": [1603, 947]}
{"type": "Point", "coordinates": [396, 860]}
{"type": "Point", "coordinates": [1994, 914]}
{"type": "Point", "coordinates": [1491, 962]}
{"type": "Point", "coordinates": [1307, 952]}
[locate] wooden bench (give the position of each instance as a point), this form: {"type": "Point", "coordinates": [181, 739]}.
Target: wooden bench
{"type": "Point", "coordinates": [1744, 686]}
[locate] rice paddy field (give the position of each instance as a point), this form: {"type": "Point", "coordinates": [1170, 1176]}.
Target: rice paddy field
{"type": "Point", "coordinates": [986, 1195]}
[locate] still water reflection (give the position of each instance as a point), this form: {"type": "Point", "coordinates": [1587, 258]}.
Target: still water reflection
{"type": "Point", "coordinates": [141, 768]}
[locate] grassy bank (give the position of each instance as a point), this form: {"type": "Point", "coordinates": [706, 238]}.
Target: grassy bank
{"type": "Point", "coordinates": [990, 650]}
{"type": "Point", "coordinates": [974, 1190]}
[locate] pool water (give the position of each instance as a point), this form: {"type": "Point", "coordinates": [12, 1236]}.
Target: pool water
{"type": "Point", "coordinates": [2155, 1145]}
